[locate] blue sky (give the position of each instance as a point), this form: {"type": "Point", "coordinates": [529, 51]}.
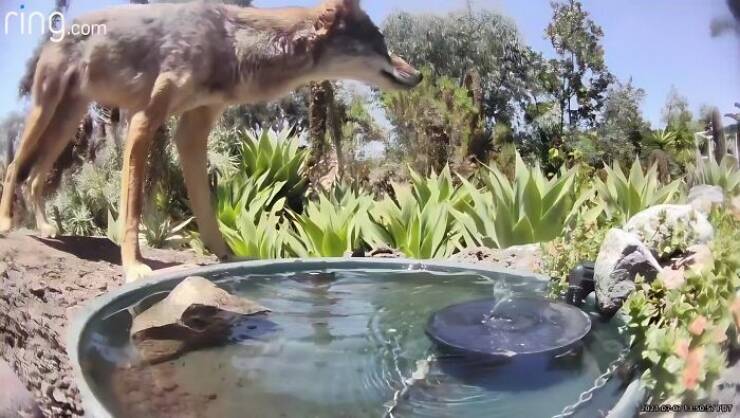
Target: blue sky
{"type": "Point", "coordinates": [657, 43]}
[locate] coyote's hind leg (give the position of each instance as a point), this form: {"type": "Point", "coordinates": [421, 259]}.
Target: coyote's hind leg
{"type": "Point", "coordinates": [58, 135]}
{"type": "Point", "coordinates": [191, 139]}
{"type": "Point", "coordinates": [48, 90]}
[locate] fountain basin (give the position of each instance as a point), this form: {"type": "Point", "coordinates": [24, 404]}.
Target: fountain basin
{"type": "Point", "coordinates": [336, 345]}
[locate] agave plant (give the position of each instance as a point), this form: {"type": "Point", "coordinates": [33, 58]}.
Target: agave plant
{"type": "Point", "coordinates": [723, 174]}
{"type": "Point", "coordinates": [333, 225]}
{"type": "Point", "coordinates": [530, 209]}
{"type": "Point", "coordinates": [160, 231]}
{"type": "Point", "coordinates": [436, 188]}
{"type": "Point", "coordinates": [419, 221]}
{"type": "Point", "coordinates": [259, 233]}
{"type": "Point", "coordinates": [250, 217]}
{"type": "Point", "coordinates": [240, 193]}
{"type": "Point", "coordinates": [621, 197]}
{"type": "Point", "coordinates": [275, 157]}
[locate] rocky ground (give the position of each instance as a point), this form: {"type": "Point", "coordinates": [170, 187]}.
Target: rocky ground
{"type": "Point", "coordinates": [44, 282]}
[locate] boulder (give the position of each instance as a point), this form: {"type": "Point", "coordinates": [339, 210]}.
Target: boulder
{"type": "Point", "coordinates": [622, 257]}
{"type": "Point", "coordinates": [657, 223]}
{"type": "Point", "coordinates": [519, 257]}
{"type": "Point", "coordinates": [195, 314]}
{"type": "Point", "coordinates": [704, 198]}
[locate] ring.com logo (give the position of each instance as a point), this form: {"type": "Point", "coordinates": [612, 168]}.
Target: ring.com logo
{"type": "Point", "coordinates": [27, 22]}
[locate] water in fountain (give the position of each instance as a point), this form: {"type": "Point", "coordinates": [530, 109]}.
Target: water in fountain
{"type": "Point", "coordinates": [501, 294]}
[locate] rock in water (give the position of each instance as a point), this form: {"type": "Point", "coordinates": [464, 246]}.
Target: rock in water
{"type": "Point", "coordinates": [704, 198]}
{"type": "Point", "coordinates": [657, 223]}
{"type": "Point", "coordinates": [622, 256]}
{"type": "Point", "coordinates": [196, 314]}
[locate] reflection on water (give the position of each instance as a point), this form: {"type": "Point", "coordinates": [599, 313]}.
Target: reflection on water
{"type": "Point", "coordinates": [340, 345]}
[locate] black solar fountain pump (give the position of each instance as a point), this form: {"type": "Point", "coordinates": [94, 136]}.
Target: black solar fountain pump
{"type": "Point", "coordinates": [580, 283]}
{"type": "Point", "coordinates": [508, 328]}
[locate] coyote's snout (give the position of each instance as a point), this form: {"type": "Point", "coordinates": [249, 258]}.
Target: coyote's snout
{"type": "Point", "coordinates": [190, 60]}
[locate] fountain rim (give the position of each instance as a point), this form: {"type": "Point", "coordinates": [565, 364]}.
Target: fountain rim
{"type": "Point", "coordinates": [91, 308]}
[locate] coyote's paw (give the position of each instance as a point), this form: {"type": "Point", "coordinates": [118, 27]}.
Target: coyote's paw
{"type": "Point", "coordinates": [5, 225]}
{"type": "Point", "coordinates": [231, 258]}
{"type": "Point", "coordinates": [136, 271]}
{"type": "Point", "coordinates": [47, 231]}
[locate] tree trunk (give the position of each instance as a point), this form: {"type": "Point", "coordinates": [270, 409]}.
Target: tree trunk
{"type": "Point", "coordinates": [317, 123]}
{"type": "Point", "coordinates": [478, 143]}
{"type": "Point", "coordinates": [440, 143]}
{"type": "Point", "coordinates": [337, 117]}
{"type": "Point", "coordinates": [718, 136]}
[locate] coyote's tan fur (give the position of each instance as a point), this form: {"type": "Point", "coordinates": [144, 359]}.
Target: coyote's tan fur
{"type": "Point", "coordinates": [190, 60]}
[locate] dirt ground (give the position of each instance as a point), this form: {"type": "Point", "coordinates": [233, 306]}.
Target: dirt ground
{"type": "Point", "coordinates": [43, 282]}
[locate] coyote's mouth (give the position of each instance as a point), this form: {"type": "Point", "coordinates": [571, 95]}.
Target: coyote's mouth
{"type": "Point", "coordinates": [402, 78]}
{"type": "Point", "coordinates": [401, 73]}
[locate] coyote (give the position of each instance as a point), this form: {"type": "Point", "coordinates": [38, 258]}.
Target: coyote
{"type": "Point", "coordinates": [190, 60]}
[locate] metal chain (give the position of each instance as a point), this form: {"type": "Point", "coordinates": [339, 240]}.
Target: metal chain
{"type": "Point", "coordinates": [420, 373]}
{"type": "Point", "coordinates": [422, 370]}
{"type": "Point", "coordinates": [599, 383]}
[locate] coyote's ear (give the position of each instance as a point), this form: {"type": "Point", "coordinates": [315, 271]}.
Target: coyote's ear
{"type": "Point", "coordinates": [349, 6]}
{"type": "Point", "coordinates": [332, 11]}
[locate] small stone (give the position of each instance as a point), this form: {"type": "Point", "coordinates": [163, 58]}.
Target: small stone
{"type": "Point", "coordinates": [170, 387]}
{"type": "Point", "coordinates": [58, 395]}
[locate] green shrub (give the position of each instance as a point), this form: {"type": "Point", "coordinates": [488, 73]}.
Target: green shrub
{"type": "Point", "coordinates": [579, 242]}
{"type": "Point", "coordinates": [622, 197]}
{"type": "Point", "coordinates": [81, 203]}
{"type": "Point", "coordinates": [529, 209]}
{"type": "Point", "coordinates": [158, 228]}
{"type": "Point", "coordinates": [723, 174]}
{"type": "Point", "coordinates": [418, 220]}
{"type": "Point", "coordinates": [679, 324]}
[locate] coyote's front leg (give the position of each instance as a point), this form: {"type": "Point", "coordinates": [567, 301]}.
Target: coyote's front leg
{"type": "Point", "coordinates": [192, 139]}
{"type": "Point", "coordinates": [142, 127]}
